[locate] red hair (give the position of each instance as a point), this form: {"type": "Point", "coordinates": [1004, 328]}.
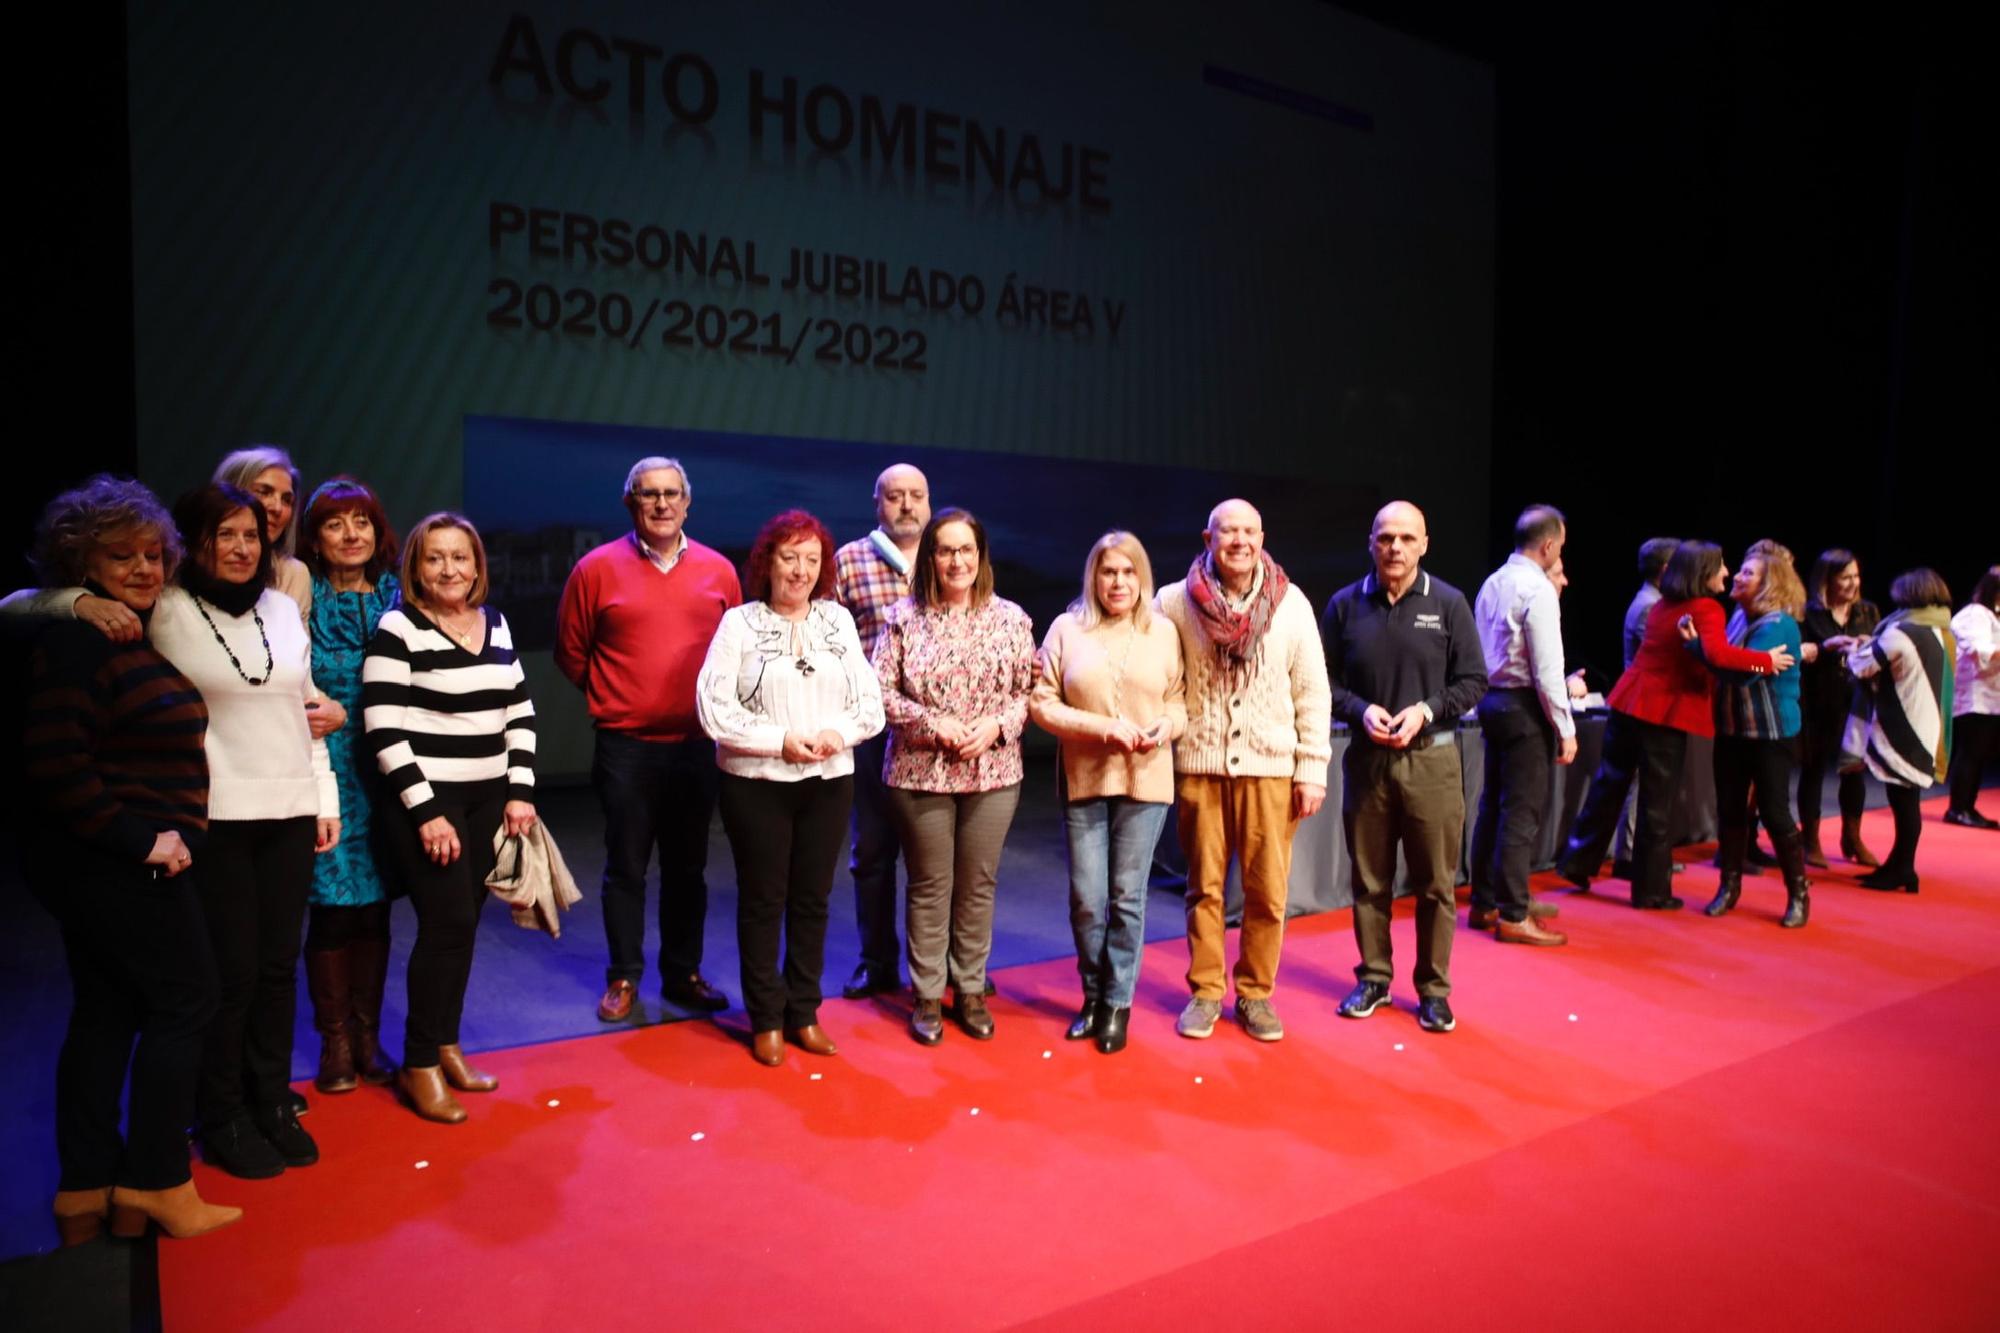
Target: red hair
{"type": "Point", "coordinates": [783, 530]}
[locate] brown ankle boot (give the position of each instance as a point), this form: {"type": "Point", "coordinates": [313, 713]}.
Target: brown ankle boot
{"type": "Point", "coordinates": [1850, 843]}
{"type": "Point", "coordinates": [1814, 856]}
{"type": "Point", "coordinates": [368, 970]}
{"type": "Point", "coordinates": [423, 1087]}
{"type": "Point", "coordinates": [462, 1075]}
{"type": "Point", "coordinates": [327, 972]}
{"type": "Point", "coordinates": [180, 1211]}
{"type": "Point", "coordinates": [81, 1214]}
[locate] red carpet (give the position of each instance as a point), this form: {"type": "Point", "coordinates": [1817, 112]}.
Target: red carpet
{"type": "Point", "coordinates": [1741, 1126]}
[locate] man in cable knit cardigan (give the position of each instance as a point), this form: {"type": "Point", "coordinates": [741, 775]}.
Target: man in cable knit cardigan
{"type": "Point", "coordinates": [1253, 761]}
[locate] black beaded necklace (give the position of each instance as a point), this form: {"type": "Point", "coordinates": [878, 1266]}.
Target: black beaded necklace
{"type": "Point", "coordinates": [270, 662]}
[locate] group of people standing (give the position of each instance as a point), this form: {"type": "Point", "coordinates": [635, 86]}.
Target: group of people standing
{"type": "Point", "coordinates": [247, 713]}
{"type": "Point", "coordinates": [247, 718]}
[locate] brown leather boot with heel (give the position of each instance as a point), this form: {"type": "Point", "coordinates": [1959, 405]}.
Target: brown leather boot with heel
{"type": "Point", "coordinates": [81, 1214]}
{"type": "Point", "coordinates": [180, 1212]}
{"type": "Point", "coordinates": [368, 972]}
{"type": "Point", "coordinates": [462, 1075]}
{"type": "Point", "coordinates": [423, 1087]}
{"type": "Point", "coordinates": [327, 972]}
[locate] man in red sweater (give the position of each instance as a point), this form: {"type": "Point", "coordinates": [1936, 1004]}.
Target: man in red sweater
{"type": "Point", "coordinates": [636, 618]}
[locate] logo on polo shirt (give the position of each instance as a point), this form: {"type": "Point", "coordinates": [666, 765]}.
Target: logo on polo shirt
{"type": "Point", "coordinates": [1429, 620]}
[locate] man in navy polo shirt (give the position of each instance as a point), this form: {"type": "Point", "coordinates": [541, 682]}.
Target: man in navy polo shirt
{"type": "Point", "coordinates": [1405, 662]}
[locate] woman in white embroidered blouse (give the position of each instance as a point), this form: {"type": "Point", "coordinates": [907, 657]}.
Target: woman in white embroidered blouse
{"type": "Point", "coordinates": [786, 693]}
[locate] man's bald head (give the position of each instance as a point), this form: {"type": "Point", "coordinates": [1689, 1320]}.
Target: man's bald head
{"type": "Point", "coordinates": [1235, 536]}
{"type": "Point", "coordinates": [1398, 539]}
{"type": "Point", "coordinates": [903, 503]}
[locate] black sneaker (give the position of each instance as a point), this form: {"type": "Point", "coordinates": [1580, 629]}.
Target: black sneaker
{"type": "Point", "coordinates": [280, 1126]}
{"type": "Point", "coordinates": [236, 1146]}
{"type": "Point", "coordinates": [1364, 999]}
{"type": "Point", "coordinates": [1434, 1014]}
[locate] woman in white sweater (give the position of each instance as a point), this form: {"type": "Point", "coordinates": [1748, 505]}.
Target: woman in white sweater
{"type": "Point", "coordinates": [786, 693]}
{"type": "Point", "coordinates": [272, 804]}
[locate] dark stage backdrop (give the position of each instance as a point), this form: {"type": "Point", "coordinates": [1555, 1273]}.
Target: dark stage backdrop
{"type": "Point", "coordinates": [1105, 265]}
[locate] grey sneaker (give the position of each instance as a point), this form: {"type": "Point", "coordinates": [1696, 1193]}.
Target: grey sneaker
{"type": "Point", "coordinates": [1259, 1019]}
{"type": "Point", "coordinates": [1198, 1019]}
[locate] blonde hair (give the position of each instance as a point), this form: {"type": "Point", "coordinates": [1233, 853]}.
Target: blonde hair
{"type": "Point", "coordinates": [1781, 588]}
{"type": "Point", "coordinates": [243, 467]}
{"type": "Point", "coordinates": [1089, 612]}
{"type": "Point", "coordinates": [413, 558]}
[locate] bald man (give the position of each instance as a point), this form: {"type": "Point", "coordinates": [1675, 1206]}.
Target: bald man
{"type": "Point", "coordinates": [1405, 661]}
{"type": "Point", "coordinates": [870, 575]}
{"type": "Point", "coordinates": [1253, 761]}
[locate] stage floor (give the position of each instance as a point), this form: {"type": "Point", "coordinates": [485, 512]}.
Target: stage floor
{"type": "Point", "coordinates": [1673, 1122]}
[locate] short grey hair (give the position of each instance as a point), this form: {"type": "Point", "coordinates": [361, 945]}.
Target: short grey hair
{"type": "Point", "coordinates": [655, 463]}
{"type": "Point", "coordinates": [242, 467]}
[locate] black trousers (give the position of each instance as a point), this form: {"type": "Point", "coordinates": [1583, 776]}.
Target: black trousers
{"type": "Point", "coordinates": [873, 861]}
{"type": "Point", "coordinates": [448, 899]}
{"type": "Point", "coordinates": [1741, 763]}
{"type": "Point", "coordinates": [1906, 808]}
{"type": "Point", "coordinates": [330, 929]}
{"type": "Point", "coordinates": [1819, 748]}
{"type": "Point", "coordinates": [1520, 747]}
{"type": "Point", "coordinates": [1975, 741]}
{"type": "Point", "coordinates": [656, 795]}
{"type": "Point", "coordinates": [1652, 755]}
{"type": "Point", "coordinates": [785, 837]}
{"type": "Point", "coordinates": [143, 979]}
{"type": "Point", "coordinates": [255, 875]}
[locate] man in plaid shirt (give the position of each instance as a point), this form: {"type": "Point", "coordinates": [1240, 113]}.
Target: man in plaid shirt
{"type": "Point", "coordinates": [870, 576]}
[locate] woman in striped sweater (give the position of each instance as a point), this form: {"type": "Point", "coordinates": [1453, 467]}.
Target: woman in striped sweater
{"type": "Point", "coordinates": [448, 716]}
{"type": "Point", "coordinates": [1909, 664]}
{"type": "Point", "coordinates": [113, 755]}
{"type": "Point", "coordinates": [1757, 728]}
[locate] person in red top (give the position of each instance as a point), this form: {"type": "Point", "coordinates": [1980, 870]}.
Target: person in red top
{"type": "Point", "coordinates": [636, 619]}
{"type": "Point", "coordinates": [1661, 700]}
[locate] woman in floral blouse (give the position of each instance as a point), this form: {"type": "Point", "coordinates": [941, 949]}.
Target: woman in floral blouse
{"type": "Point", "coordinates": [956, 664]}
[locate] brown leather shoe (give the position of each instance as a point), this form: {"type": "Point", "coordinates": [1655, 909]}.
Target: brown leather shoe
{"type": "Point", "coordinates": [1481, 918]}
{"type": "Point", "coordinates": [81, 1214]}
{"type": "Point", "coordinates": [768, 1047]}
{"type": "Point", "coordinates": [975, 1018]}
{"type": "Point", "coordinates": [180, 1211]}
{"type": "Point", "coordinates": [616, 1006]}
{"type": "Point", "coordinates": [693, 992]}
{"type": "Point", "coordinates": [811, 1038]}
{"type": "Point", "coordinates": [424, 1088]}
{"type": "Point", "coordinates": [462, 1075]}
{"type": "Point", "coordinates": [1530, 931]}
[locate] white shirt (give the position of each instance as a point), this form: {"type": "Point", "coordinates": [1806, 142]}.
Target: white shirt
{"type": "Point", "coordinates": [765, 676]}
{"type": "Point", "coordinates": [1520, 633]}
{"type": "Point", "coordinates": [1976, 673]}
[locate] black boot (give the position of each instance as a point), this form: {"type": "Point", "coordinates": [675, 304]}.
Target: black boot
{"type": "Point", "coordinates": [1085, 1022]}
{"type": "Point", "coordinates": [1111, 1026]}
{"type": "Point", "coordinates": [1791, 849]}
{"type": "Point", "coordinates": [1729, 849]}
{"type": "Point", "coordinates": [327, 984]}
{"type": "Point", "coordinates": [367, 970]}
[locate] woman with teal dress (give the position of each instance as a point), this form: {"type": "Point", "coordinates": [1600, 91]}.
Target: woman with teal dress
{"type": "Point", "coordinates": [350, 551]}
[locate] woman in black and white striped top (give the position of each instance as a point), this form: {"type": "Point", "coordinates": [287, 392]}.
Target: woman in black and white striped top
{"type": "Point", "coordinates": [450, 723]}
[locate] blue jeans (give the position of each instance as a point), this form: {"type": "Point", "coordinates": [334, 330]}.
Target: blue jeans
{"type": "Point", "coordinates": [1111, 843]}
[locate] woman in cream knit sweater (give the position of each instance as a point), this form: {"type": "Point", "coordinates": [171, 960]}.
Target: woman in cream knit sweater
{"type": "Point", "coordinates": [1109, 687]}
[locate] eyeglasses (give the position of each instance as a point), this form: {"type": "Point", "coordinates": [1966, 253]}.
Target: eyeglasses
{"type": "Point", "coordinates": [651, 496]}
